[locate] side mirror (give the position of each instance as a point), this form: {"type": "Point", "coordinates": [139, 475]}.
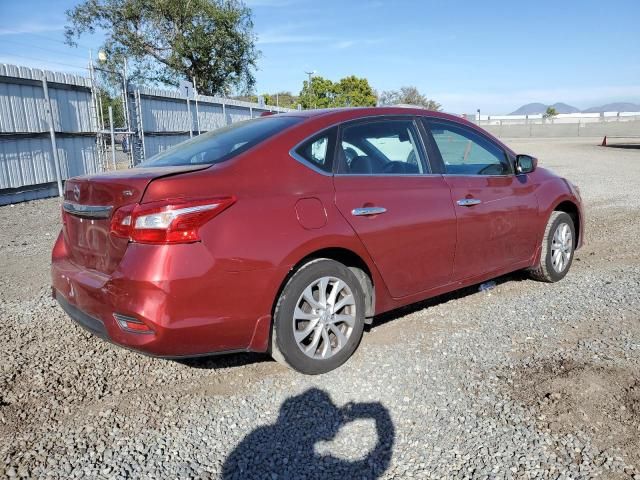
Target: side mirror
{"type": "Point", "coordinates": [525, 164]}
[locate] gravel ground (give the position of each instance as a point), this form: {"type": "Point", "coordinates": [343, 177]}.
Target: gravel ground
{"type": "Point", "coordinates": [528, 380]}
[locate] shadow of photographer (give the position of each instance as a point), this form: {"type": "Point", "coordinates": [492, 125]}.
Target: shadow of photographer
{"type": "Point", "coordinates": [286, 449]}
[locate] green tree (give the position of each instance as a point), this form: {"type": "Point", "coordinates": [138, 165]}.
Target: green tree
{"type": "Point", "coordinates": [550, 113]}
{"type": "Point", "coordinates": [355, 92]}
{"type": "Point", "coordinates": [115, 102]}
{"type": "Point", "coordinates": [320, 93]}
{"type": "Point", "coordinates": [408, 96]}
{"type": "Point", "coordinates": [282, 99]}
{"type": "Point", "coordinates": [348, 92]}
{"type": "Point", "coordinates": [168, 40]}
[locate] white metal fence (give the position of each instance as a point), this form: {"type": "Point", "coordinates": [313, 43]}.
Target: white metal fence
{"type": "Point", "coordinates": [163, 118]}
{"type": "Point", "coordinates": [34, 103]}
{"type": "Point", "coordinates": [42, 109]}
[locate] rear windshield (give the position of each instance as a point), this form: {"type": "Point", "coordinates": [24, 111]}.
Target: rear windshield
{"type": "Point", "coordinates": [222, 144]}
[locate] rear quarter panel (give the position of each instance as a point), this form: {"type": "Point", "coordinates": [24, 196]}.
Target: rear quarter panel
{"type": "Point", "coordinates": [261, 235]}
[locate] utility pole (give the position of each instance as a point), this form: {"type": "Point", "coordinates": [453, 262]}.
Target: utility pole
{"type": "Point", "coordinates": [311, 73]}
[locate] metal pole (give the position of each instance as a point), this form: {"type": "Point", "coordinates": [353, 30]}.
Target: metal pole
{"type": "Point", "coordinates": [113, 140]}
{"type": "Point", "coordinates": [195, 95]}
{"type": "Point", "coordinates": [125, 104]}
{"type": "Point", "coordinates": [224, 112]}
{"type": "Point", "coordinates": [103, 145]}
{"type": "Point", "coordinates": [141, 125]}
{"type": "Point", "coordinates": [127, 114]}
{"type": "Point", "coordinates": [54, 146]}
{"type": "Point", "coordinates": [96, 111]}
{"type": "Point", "coordinates": [190, 119]}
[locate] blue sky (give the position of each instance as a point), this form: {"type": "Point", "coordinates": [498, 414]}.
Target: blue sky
{"type": "Point", "coordinates": [494, 55]}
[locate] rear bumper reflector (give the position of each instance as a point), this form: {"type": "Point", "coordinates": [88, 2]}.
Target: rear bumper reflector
{"type": "Point", "coordinates": [131, 324]}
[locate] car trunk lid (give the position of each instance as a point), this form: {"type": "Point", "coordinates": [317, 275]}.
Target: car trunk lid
{"type": "Point", "coordinates": [89, 204]}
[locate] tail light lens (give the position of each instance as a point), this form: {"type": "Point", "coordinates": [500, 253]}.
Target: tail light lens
{"type": "Point", "coordinates": [168, 221]}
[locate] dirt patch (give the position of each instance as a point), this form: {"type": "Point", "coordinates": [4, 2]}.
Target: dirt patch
{"type": "Point", "coordinates": [602, 401]}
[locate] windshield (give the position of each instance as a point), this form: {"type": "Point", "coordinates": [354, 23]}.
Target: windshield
{"type": "Point", "coordinates": [222, 144]}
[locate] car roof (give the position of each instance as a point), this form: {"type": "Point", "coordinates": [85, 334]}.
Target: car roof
{"type": "Point", "coordinates": [355, 112]}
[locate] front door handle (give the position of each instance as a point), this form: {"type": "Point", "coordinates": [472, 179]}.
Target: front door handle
{"type": "Point", "coordinates": [366, 211]}
{"type": "Point", "coordinates": [468, 202]}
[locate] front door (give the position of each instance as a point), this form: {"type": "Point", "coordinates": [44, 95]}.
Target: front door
{"type": "Point", "coordinates": [402, 213]}
{"type": "Point", "coordinates": [491, 203]}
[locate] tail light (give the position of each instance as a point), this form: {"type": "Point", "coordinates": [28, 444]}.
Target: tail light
{"type": "Point", "coordinates": [167, 221]}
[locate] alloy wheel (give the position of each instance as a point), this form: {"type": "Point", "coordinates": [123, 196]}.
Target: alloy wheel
{"type": "Point", "coordinates": [561, 247]}
{"type": "Point", "coordinates": [324, 317]}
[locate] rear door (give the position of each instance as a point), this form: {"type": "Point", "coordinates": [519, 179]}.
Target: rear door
{"type": "Point", "coordinates": [399, 209]}
{"type": "Point", "coordinates": [491, 203]}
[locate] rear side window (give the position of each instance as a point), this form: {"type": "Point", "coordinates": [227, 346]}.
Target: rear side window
{"type": "Point", "coordinates": [318, 151]}
{"type": "Point", "coordinates": [464, 152]}
{"type": "Point", "coordinates": [222, 144]}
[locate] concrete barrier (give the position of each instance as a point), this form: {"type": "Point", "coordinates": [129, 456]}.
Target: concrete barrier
{"type": "Point", "coordinates": [555, 130]}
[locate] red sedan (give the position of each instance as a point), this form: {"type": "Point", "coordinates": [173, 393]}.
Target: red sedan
{"type": "Point", "coordinates": [286, 234]}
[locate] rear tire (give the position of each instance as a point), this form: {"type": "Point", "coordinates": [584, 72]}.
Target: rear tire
{"type": "Point", "coordinates": [319, 318]}
{"type": "Point", "coordinates": [558, 244]}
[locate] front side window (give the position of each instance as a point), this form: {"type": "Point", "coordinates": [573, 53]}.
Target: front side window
{"type": "Point", "coordinates": [221, 144]}
{"type": "Point", "coordinates": [381, 147]}
{"type": "Point", "coordinates": [465, 152]}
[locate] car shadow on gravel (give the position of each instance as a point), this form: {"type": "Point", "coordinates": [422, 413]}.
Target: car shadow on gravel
{"type": "Point", "coordinates": [228, 360]}
{"type": "Point", "coordinates": [386, 317]}
{"type": "Point", "coordinates": [289, 447]}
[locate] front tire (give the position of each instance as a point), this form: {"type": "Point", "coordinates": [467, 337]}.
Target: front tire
{"type": "Point", "coordinates": [558, 244]}
{"type": "Point", "coordinates": [319, 318]}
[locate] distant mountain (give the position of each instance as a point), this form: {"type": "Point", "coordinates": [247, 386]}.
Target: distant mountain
{"type": "Point", "coordinates": [564, 108]}
{"type": "Point", "coordinates": [530, 109]}
{"type": "Point", "coordinates": [615, 107]}
{"type": "Point", "coordinates": [537, 108]}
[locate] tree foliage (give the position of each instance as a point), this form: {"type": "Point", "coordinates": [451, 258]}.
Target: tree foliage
{"type": "Point", "coordinates": [550, 113]}
{"type": "Point", "coordinates": [348, 92]}
{"type": "Point", "coordinates": [281, 99]}
{"type": "Point", "coordinates": [115, 102]}
{"type": "Point", "coordinates": [168, 40]}
{"type": "Point", "coordinates": [408, 96]}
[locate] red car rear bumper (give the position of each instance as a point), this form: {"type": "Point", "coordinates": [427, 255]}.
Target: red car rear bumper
{"type": "Point", "coordinates": [188, 315]}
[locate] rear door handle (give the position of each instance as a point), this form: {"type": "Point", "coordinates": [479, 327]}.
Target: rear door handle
{"type": "Point", "coordinates": [365, 211]}
{"type": "Point", "coordinates": [468, 202]}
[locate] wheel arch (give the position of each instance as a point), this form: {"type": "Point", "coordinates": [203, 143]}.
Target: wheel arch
{"type": "Point", "coordinates": [350, 259]}
{"type": "Point", "coordinates": [571, 208]}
